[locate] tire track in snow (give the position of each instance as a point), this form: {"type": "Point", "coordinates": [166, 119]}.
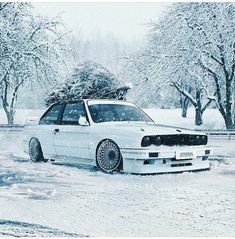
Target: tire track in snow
{"type": "Point", "coordinates": [23, 229]}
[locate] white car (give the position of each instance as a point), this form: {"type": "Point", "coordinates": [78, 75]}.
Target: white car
{"type": "Point", "coordinates": [115, 136]}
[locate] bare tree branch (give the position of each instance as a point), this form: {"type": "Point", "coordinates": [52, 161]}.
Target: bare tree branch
{"type": "Point", "coordinates": [185, 93]}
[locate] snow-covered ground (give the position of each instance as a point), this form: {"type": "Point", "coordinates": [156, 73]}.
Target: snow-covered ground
{"type": "Point", "coordinates": [212, 118]}
{"type": "Point", "coordinates": [44, 199]}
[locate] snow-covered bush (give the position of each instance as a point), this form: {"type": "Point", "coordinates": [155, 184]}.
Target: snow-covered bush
{"type": "Point", "coordinates": [88, 80]}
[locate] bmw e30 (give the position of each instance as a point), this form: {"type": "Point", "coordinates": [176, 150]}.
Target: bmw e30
{"type": "Point", "coordinates": [114, 136]}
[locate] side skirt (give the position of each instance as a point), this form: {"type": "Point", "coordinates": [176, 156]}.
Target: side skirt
{"type": "Point", "coordinates": [68, 159]}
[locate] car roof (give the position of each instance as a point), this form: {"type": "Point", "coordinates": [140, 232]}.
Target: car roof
{"type": "Point", "coordinates": [95, 101]}
{"type": "Point", "coordinates": [105, 101]}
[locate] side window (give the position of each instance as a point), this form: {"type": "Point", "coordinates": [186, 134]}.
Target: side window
{"type": "Point", "coordinates": [72, 113]}
{"type": "Point", "coordinates": [51, 115]}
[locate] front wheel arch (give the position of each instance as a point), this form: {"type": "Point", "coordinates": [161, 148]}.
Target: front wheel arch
{"type": "Point", "coordinates": [120, 166]}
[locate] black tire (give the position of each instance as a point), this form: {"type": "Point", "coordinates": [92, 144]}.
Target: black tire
{"type": "Point", "coordinates": [108, 156]}
{"type": "Point", "coordinates": [35, 150]}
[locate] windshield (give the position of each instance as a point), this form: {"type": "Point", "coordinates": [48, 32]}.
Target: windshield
{"type": "Point", "coordinates": [116, 112]}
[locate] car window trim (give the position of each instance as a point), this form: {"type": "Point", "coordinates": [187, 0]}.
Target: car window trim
{"type": "Point", "coordinates": [61, 114]}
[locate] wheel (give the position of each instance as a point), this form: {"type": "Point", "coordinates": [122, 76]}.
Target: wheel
{"type": "Point", "coordinates": [35, 150]}
{"type": "Point", "coordinates": [108, 156]}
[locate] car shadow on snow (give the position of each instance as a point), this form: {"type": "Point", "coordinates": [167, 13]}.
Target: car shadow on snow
{"type": "Point", "coordinates": [88, 168]}
{"type": "Point", "coordinates": [220, 159]}
{"type": "Point", "coordinates": [24, 229]}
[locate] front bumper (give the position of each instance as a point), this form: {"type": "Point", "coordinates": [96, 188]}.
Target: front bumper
{"type": "Point", "coordinates": [165, 160]}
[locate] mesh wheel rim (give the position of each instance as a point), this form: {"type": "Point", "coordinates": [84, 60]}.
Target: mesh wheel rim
{"type": "Point", "coordinates": [104, 153]}
{"type": "Point", "coordinates": [34, 149]}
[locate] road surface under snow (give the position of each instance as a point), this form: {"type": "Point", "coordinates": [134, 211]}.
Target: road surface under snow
{"type": "Point", "coordinates": [44, 199]}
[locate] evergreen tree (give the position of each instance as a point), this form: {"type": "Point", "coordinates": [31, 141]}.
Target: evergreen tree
{"type": "Point", "coordinates": [88, 80]}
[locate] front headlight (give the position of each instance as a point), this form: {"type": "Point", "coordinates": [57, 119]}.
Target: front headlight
{"type": "Point", "coordinates": [146, 141]}
{"type": "Point", "coordinates": [204, 139]}
{"type": "Point", "coordinates": [197, 140]}
{"type": "Point", "coordinates": [157, 140]}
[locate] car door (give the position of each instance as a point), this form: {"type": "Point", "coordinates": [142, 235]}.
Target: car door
{"type": "Point", "coordinates": [46, 129]}
{"type": "Point", "coordinates": [71, 141]}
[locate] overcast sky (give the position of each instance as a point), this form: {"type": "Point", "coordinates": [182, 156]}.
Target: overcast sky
{"type": "Point", "coordinates": [126, 21]}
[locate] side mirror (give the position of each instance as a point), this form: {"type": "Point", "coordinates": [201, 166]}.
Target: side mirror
{"type": "Point", "coordinates": [82, 121]}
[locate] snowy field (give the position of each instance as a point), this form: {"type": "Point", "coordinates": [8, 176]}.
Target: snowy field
{"type": "Point", "coordinates": [45, 199]}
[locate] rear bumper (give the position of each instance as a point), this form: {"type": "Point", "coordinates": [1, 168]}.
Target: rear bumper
{"type": "Point", "coordinates": [164, 161]}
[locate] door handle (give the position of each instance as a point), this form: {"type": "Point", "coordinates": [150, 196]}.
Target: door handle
{"type": "Point", "coordinates": [57, 130]}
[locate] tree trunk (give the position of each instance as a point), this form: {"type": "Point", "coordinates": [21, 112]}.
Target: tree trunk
{"type": "Point", "coordinates": [10, 112]}
{"type": "Point", "coordinates": [229, 121]}
{"type": "Point", "coordinates": [10, 118]}
{"type": "Point", "coordinates": [184, 106]}
{"type": "Point", "coordinates": [184, 112]}
{"type": "Point", "coordinates": [198, 117]}
{"type": "Point", "coordinates": [229, 116]}
{"type": "Point", "coordinates": [234, 119]}
{"type": "Point", "coordinates": [198, 109]}
{"type": "Point", "coordinates": [185, 102]}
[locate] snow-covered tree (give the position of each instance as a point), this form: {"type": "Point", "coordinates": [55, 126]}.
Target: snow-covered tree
{"type": "Point", "coordinates": [148, 89]}
{"type": "Point", "coordinates": [88, 80]}
{"type": "Point", "coordinates": [196, 46]}
{"type": "Point", "coordinates": [30, 48]}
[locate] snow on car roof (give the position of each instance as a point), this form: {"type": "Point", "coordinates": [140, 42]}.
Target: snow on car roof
{"type": "Point", "coordinates": [107, 101]}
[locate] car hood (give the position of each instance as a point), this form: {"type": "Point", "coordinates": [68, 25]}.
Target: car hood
{"type": "Point", "coordinates": [147, 128]}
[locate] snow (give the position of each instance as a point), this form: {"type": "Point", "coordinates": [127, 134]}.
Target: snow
{"type": "Point", "coordinates": [21, 115]}
{"type": "Point", "coordinates": [44, 199]}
